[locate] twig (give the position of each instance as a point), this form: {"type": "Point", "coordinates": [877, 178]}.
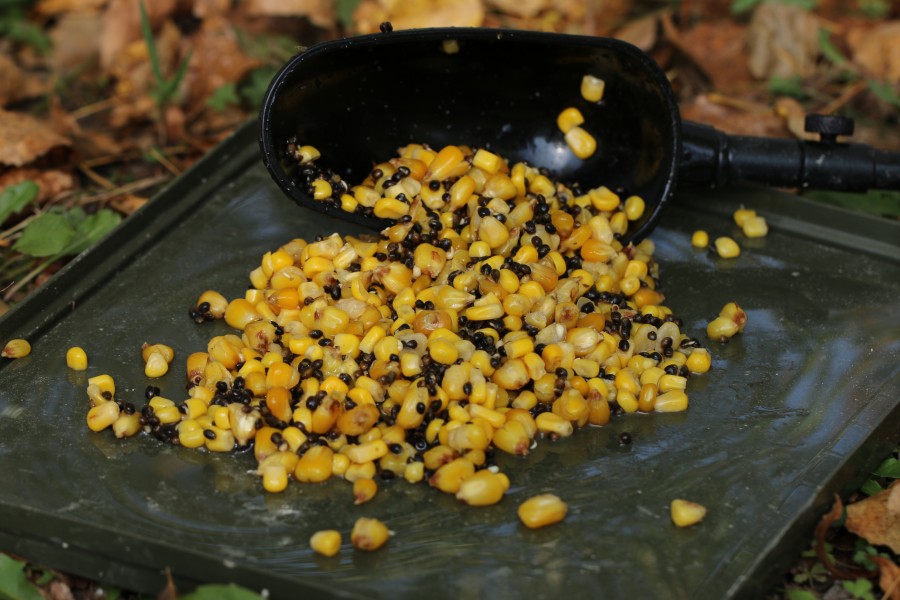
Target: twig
{"type": "Point", "coordinates": [128, 188]}
{"type": "Point", "coordinates": [10, 291]}
{"type": "Point", "coordinates": [744, 105]}
{"type": "Point", "coordinates": [90, 109]}
{"type": "Point", "coordinates": [96, 177]}
{"type": "Point", "coordinates": [161, 159]}
{"type": "Point", "coordinates": [848, 94]}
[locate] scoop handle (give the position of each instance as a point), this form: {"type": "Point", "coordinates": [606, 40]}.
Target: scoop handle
{"type": "Point", "coordinates": [712, 158]}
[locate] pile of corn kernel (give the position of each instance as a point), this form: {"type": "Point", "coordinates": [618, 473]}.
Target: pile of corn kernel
{"type": "Point", "coordinates": [500, 309]}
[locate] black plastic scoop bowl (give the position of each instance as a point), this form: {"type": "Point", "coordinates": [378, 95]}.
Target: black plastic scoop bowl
{"type": "Point", "coordinates": [359, 99]}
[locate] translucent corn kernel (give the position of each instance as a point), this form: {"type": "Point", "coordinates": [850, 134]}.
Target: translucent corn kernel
{"type": "Point", "coordinates": [581, 143]}
{"type": "Point", "coordinates": [369, 534]}
{"type": "Point", "coordinates": [569, 118]}
{"type": "Point", "coordinates": [156, 366]}
{"type": "Point", "coordinates": [592, 88]}
{"type": "Point", "coordinates": [542, 510]}
{"type": "Point", "coordinates": [76, 358]}
{"type": "Point", "coordinates": [17, 348]}
{"type": "Point", "coordinates": [275, 478]}
{"type": "Point", "coordinates": [483, 488]}
{"type": "Point", "coordinates": [727, 247]}
{"type": "Point", "coordinates": [685, 513]}
{"type": "Point", "coordinates": [326, 542]}
{"type": "Point", "coordinates": [700, 239]}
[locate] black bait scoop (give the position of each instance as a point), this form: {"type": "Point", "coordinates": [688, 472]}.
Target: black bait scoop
{"type": "Point", "coordinates": [359, 99]}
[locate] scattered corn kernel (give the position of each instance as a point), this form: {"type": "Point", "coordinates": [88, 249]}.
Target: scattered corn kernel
{"type": "Point", "coordinates": [755, 227]}
{"type": "Point", "coordinates": [592, 88]}
{"type": "Point", "coordinates": [686, 513]}
{"type": "Point", "coordinates": [581, 143]}
{"type": "Point", "coordinates": [17, 348]}
{"type": "Point", "coordinates": [542, 510]}
{"type": "Point", "coordinates": [369, 534]}
{"type": "Point", "coordinates": [700, 239]}
{"type": "Point", "coordinates": [326, 542]}
{"type": "Point", "coordinates": [76, 358]}
{"type": "Point", "coordinates": [727, 247]}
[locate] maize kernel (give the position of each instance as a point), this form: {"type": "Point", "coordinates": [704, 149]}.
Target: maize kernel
{"type": "Point", "coordinates": [542, 510]}
{"type": "Point", "coordinates": [727, 247]}
{"type": "Point", "coordinates": [17, 348]}
{"type": "Point", "coordinates": [76, 358]}
{"type": "Point", "coordinates": [326, 542]}
{"type": "Point", "coordinates": [369, 534]}
{"type": "Point", "coordinates": [685, 513]}
{"type": "Point", "coordinates": [592, 88]}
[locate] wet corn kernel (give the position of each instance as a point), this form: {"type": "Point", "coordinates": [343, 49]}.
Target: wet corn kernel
{"type": "Point", "coordinates": [742, 215]}
{"type": "Point", "coordinates": [17, 348]}
{"type": "Point", "coordinates": [581, 143]}
{"type": "Point", "coordinates": [755, 227]}
{"type": "Point", "coordinates": [156, 366]}
{"type": "Point", "coordinates": [483, 488]}
{"type": "Point", "coordinates": [364, 490]}
{"type": "Point", "coordinates": [569, 118]}
{"type": "Point", "coordinates": [727, 247]}
{"type": "Point", "coordinates": [542, 510]}
{"type": "Point", "coordinates": [102, 416]}
{"type": "Point", "coordinates": [369, 534]}
{"type": "Point", "coordinates": [699, 361]}
{"type": "Point", "coordinates": [592, 88]}
{"type": "Point", "coordinates": [326, 542]}
{"type": "Point", "coordinates": [685, 513]}
{"type": "Point", "coordinates": [700, 239]}
{"type": "Point", "coordinates": [76, 358]}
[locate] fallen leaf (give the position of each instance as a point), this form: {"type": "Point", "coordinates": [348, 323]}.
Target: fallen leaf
{"type": "Point", "coordinates": [51, 182]}
{"type": "Point", "coordinates": [75, 42]}
{"type": "Point", "coordinates": [877, 518]}
{"type": "Point", "coordinates": [877, 50]}
{"type": "Point", "coordinates": [319, 12]}
{"type": "Point", "coordinates": [52, 8]}
{"type": "Point", "coordinates": [519, 8]}
{"type": "Point", "coordinates": [718, 49]}
{"type": "Point", "coordinates": [641, 32]}
{"type": "Point", "coordinates": [412, 14]}
{"type": "Point", "coordinates": [759, 121]}
{"type": "Point", "coordinates": [11, 77]}
{"type": "Point", "coordinates": [217, 60]}
{"type": "Point", "coordinates": [783, 41]}
{"type": "Point", "coordinates": [127, 204]}
{"type": "Point", "coordinates": [820, 534]}
{"type": "Point", "coordinates": [24, 138]}
{"type": "Point", "coordinates": [888, 577]}
{"type": "Point", "coordinates": [85, 143]}
{"type": "Point", "coordinates": [203, 9]}
{"type": "Point", "coordinates": [122, 25]}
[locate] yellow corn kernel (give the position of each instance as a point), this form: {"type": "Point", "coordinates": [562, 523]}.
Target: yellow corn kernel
{"type": "Point", "coordinates": [127, 425]}
{"type": "Point", "coordinates": [240, 313]}
{"type": "Point", "coordinates": [315, 466]}
{"type": "Point", "coordinates": [369, 534]}
{"type": "Point", "coordinates": [321, 189]}
{"type": "Point", "coordinates": [76, 359]}
{"type": "Point", "coordinates": [468, 436]}
{"type": "Point", "coordinates": [367, 452]}
{"type": "Point", "coordinates": [218, 440]}
{"type": "Point", "coordinates": [685, 513]}
{"type": "Point", "coordinates": [339, 464]}
{"type": "Point", "coordinates": [542, 510]}
{"type": "Point", "coordinates": [307, 154]}
{"type": "Point", "coordinates": [634, 208]}
{"type": "Point", "coordinates": [742, 214]}
{"type": "Point", "coordinates": [414, 472]}
{"type": "Point", "coordinates": [553, 425]}
{"type": "Point", "coordinates": [156, 366]}
{"type": "Point", "coordinates": [673, 401]}
{"type": "Point", "coordinates": [449, 477]}
{"type": "Point", "coordinates": [168, 414]}
{"type": "Point", "coordinates": [348, 203]}
{"type": "Point", "coordinates": [755, 227]}
{"type": "Point", "coordinates": [582, 143]}
{"type": "Point", "coordinates": [444, 164]}
{"type": "Point", "coordinates": [275, 478]}
{"type": "Point", "coordinates": [443, 351]}
{"type": "Point", "coordinates": [699, 361]}
{"type": "Point", "coordinates": [727, 247]}
{"type": "Point", "coordinates": [190, 434]}
{"type": "Point", "coordinates": [364, 490]}
{"type": "Point", "coordinates": [102, 416]}
{"type": "Point", "coordinates": [390, 208]}
{"type": "Point", "coordinates": [326, 542]}
{"type": "Point", "coordinates": [487, 161]}
{"type": "Point", "coordinates": [668, 383]}
{"type": "Point", "coordinates": [512, 438]}
{"type": "Point", "coordinates": [722, 328]}
{"type": "Point", "coordinates": [569, 118]}
{"type": "Point", "coordinates": [492, 231]}
{"type": "Point", "coordinates": [17, 348]}
{"type": "Point", "coordinates": [592, 88]}
{"type": "Point", "coordinates": [482, 489]}
{"type": "Point", "coordinates": [700, 239]}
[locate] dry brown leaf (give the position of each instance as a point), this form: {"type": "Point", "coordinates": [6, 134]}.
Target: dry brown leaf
{"type": "Point", "coordinates": [718, 49]}
{"type": "Point", "coordinates": [203, 9]}
{"type": "Point", "coordinates": [877, 518]}
{"type": "Point", "coordinates": [127, 204]}
{"type": "Point", "coordinates": [11, 77]}
{"type": "Point", "coordinates": [24, 138]}
{"type": "Point", "coordinates": [85, 143]}
{"type": "Point", "coordinates": [122, 25]}
{"type": "Point", "coordinates": [783, 41]}
{"type": "Point", "coordinates": [411, 14]}
{"type": "Point", "coordinates": [640, 32]}
{"type": "Point", "coordinates": [217, 60]}
{"type": "Point", "coordinates": [519, 8]}
{"type": "Point", "coordinates": [51, 8]}
{"type": "Point", "coordinates": [319, 12]}
{"type": "Point", "coordinates": [50, 182]}
{"type": "Point", "coordinates": [732, 120]}
{"type": "Point", "coordinates": [877, 50]}
{"type": "Point", "coordinates": [888, 577]}
{"type": "Point", "coordinates": [75, 41]}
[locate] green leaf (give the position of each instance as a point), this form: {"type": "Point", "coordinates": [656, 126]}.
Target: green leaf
{"type": "Point", "coordinates": [875, 9]}
{"type": "Point", "coordinates": [828, 49]}
{"type": "Point", "coordinates": [222, 97]}
{"type": "Point", "coordinates": [742, 6]}
{"type": "Point", "coordinates": [15, 26]}
{"type": "Point", "coordinates": [91, 229]}
{"type": "Point", "coordinates": [795, 594]}
{"type": "Point", "coordinates": [890, 468]}
{"type": "Point", "coordinates": [47, 235]}
{"type": "Point", "coordinates": [14, 585]}
{"type": "Point", "coordinates": [221, 592]}
{"type": "Point", "coordinates": [15, 197]}
{"type": "Point", "coordinates": [885, 91]}
{"type": "Point", "coordinates": [871, 487]}
{"type": "Point", "coordinates": [147, 32]}
{"type": "Point", "coordinates": [793, 86]}
{"type": "Point", "coordinates": [860, 588]}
